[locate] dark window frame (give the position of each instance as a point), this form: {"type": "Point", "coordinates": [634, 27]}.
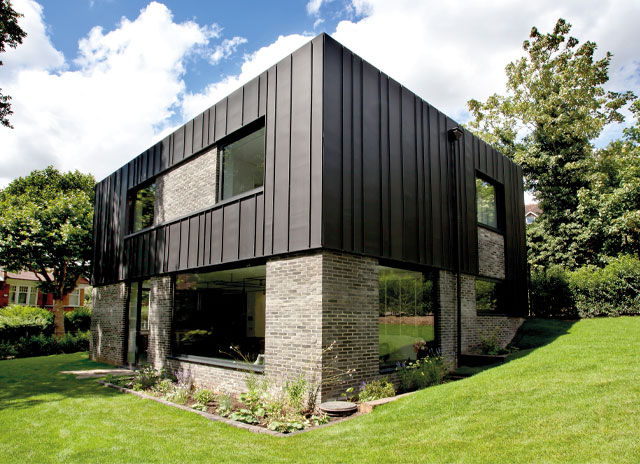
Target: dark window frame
{"type": "Point", "coordinates": [131, 207]}
{"type": "Point", "coordinates": [498, 189]}
{"type": "Point", "coordinates": [235, 136]}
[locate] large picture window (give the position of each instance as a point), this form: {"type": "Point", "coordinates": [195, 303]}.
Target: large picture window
{"type": "Point", "coordinates": [142, 204]}
{"type": "Point", "coordinates": [489, 296]}
{"type": "Point", "coordinates": [23, 295]}
{"type": "Point", "coordinates": [407, 302]}
{"type": "Point", "coordinates": [487, 203]}
{"type": "Point", "coordinates": [220, 315]}
{"type": "Point", "coordinates": [242, 165]}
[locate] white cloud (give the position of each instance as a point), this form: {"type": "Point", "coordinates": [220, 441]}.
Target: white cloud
{"type": "Point", "coordinates": [449, 52]}
{"type": "Point", "coordinates": [253, 65]}
{"type": "Point", "coordinates": [226, 49]}
{"type": "Point", "coordinates": [313, 6]}
{"type": "Point", "coordinates": [126, 85]}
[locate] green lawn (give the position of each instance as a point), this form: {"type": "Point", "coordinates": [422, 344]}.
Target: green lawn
{"type": "Point", "coordinates": [575, 399]}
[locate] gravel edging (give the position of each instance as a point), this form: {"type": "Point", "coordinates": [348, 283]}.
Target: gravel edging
{"type": "Point", "coordinates": [216, 418]}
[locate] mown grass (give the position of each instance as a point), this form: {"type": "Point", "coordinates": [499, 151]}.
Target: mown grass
{"type": "Point", "coordinates": [575, 399]}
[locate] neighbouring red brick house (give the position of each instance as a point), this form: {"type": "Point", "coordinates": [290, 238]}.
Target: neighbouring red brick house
{"type": "Point", "coordinates": [531, 212]}
{"type": "Point", "coordinates": [22, 288]}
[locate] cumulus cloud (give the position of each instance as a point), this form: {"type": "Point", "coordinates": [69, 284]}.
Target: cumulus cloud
{"type": "Point", "coordinates": [313, 6]}
{"type": "Point", "coordinates": [253, 64]}
{"type": "Point", "coordinates": [124, 88]}
{"type": "Point", "coordinates": [226, 49]}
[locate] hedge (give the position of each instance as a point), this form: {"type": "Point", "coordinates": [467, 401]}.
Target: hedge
{"type": "Point", "coordinates": [613, 290]}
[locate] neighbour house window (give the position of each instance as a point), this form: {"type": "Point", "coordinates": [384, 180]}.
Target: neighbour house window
{"type": "Point", "coordinates": [74, 297]}
{"type": "Point", "coordinates": [530, 219]}
{"type": "Point", "coordinates": [23, 295]}
{"type": "Point", "coordinates": [141, 204]}
{"type": "Point", "coordinates": [242, 165]}
{"type": "Point", "coordinates": [220, 315]}
{"type": "Point", "coordinates": [487, 203]}
{"type": "Point", "coordinates": [406, 323]}
{"type": "Point", "coordinates": [489, 296]}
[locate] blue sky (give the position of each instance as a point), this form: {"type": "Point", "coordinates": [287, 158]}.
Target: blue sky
{"type": "Point", "coordinates": [98, 81]}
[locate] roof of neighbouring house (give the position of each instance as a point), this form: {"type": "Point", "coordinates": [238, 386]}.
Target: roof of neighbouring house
{"type": "Point", "coordinates": [31, 276]}
{"type": "Point", "coordinates": [532, 208]}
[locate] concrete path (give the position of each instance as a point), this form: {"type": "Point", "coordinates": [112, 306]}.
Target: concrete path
{"type": "Point", "coordinates": [97, 373]}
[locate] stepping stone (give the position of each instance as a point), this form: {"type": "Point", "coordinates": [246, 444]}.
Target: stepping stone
{"type": "Point", "coordinates": [338, 408]}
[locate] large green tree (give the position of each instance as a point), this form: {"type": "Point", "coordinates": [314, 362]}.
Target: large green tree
{"type": "Point", "coordinates": [10, 35]}
{"type": "Point", "coordinates": [46, 227]}
{"type": "Point", "coordinates": [554, 107]}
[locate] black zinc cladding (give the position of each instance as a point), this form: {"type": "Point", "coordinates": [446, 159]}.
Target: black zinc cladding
{"type": "Point", "coordinates": [353, 161]}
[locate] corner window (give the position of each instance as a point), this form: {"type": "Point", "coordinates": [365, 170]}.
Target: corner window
{"type": "Point", "coordinates": [242, 165]}
{"type": "Point", "coordinates": [406, 322]}
{"type": "Point", "coordinates": [487, 204]}
{"type": "Point", "coordinates": [23, 295]}
{"type": "Point", "coordinates": [220, 315]}
{"type": "Point", "coordinates": [489, 296]}
{"type": "Point", "coordinates": [141, 204]}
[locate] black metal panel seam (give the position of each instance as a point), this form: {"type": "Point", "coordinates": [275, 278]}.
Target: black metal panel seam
{"type": "Point", "coordinates": [342, 154]}
{"type": "Point", "coordinates": [389, 163]}
{"type": "Point", "coordinates": [381, 222]}
{"type": "Point", "coordinates": [402, 197]}
{"type": "Point", "coordinates": [239, 229]}
{"type": "Point", "coordinates": [362, 200]}
{"type": "Point", "coordinates": [417, 205]}
{"type": "Point", "coordinates": [289, 157]}
{"type": "Point", "coordinates": [242, 108]}
{"type": "Point", "coordinates": [310, 147]}
{"type": "Point", "coordinates": [275, 155]}
{"type": "Point", "coordinates": [353, 219]}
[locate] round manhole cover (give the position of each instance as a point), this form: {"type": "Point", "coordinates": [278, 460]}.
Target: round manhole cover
{"type": "Point", "coordinates": [338, 408]}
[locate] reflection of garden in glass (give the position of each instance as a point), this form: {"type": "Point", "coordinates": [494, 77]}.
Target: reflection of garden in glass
{"type": "Point", "coordinates": [486, 203]}
{"type": "Point", "coordinates": [406, 320]}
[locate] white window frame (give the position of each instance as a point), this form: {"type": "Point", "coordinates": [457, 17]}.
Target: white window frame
{"type": "Point", "coordinates": [32, 293]}
{"type": "Point", "coordinates": [75, 292]}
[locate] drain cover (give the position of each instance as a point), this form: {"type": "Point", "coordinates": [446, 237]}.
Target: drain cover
{"type": "Point", "coordinates": [338, 408]}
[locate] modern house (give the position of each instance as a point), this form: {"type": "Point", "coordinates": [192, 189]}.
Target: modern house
{"type": "Point", "coordinates": [320, 217]}
{"type": "Point", "coordinates": [22, 288]}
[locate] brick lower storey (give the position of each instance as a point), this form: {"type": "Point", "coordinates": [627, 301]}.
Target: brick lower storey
{"type": "Point", "coordinates": [321, 322]}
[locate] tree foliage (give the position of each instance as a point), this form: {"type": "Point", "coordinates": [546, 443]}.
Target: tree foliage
{"type": "Point", "coordinates": [554, 108]}
{"type": "Point", "coordinates": [46, 227]}
{"type": "Point", "coordinates": [10, 35]}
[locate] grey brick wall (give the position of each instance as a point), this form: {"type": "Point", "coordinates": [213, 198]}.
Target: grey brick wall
{"type": "Point", "coordinates": [490, 253]}
{"type": "Point", "coordinates": [447, 315]}
{"type": "Point", "coordinates": [218, 378]}
{"type": "Point", "coordinates": [160, 312]}
{"type": "Point", "coordinates": [108, 316]}
{"type": "Point", "coordinates": [349, 319]}
{"type": "Point", "coordinates": [189, 187]}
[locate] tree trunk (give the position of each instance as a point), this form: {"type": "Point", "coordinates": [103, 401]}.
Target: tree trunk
{"type": "Point", "coordinates": [58, 317]}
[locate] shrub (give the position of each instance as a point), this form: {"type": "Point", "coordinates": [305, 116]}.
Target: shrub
{"type": "Point", "coordinates": [203, 396]}
{"type": "Point", "coordinates": [146, 378]}
{"type": "Point", "coordinates": [551, 294]}
{"type": "Point", "coordinates": [178, 395]}
{"type": "Point", "coordinates": [422, 373]}
{"type": "Point", "coordinates": [375, 390]}
{"type": "Point", "coordinates": [163, 387]}
{"type": "Point", "coordinates": [78, 320]}
{"type": "Point", "coordinates": [18, 321]}
{"type": "Point", "coordinates": [610, 291]}
{"type": "Point", "coordinates": [225, 404]}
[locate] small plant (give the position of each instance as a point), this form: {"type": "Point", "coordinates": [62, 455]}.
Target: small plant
{"type": "Point", "coordinates": [244, 415]}
{"type": "Point", "coordinates": [490, 344]}
{"type": "Point", "coordinates": [320, 419]}
{"type": "Point", "coordinates": [184, 379]}
{"type": "Point", "coordinates": [422, 373]}
{"type": "Point", "coordinates": [179, 395]}
{"type": "Point", "coordinates": [375, 390]}
{"type": "Point", "coordinates": [296, 391]}
{"type": "Point", "coordinates": [146, 377]}
{"type": "Point", "coordinates": [225, 404]}
{"type": "Point", "coordinates": [288, 423]}
{"type": "Point", "coordinates": [164, 387]}
{"type": "Point", "coordinates": [202, 396]}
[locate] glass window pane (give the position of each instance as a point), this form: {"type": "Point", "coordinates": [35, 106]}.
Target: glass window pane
{"type": "Point", "coordinates": [143, 208]}
{"type": "Point", "coordinates": [22, 295]}
{"type": "Point", "coordinates": [488, 295]}
{"type": "Point", "coordinates": [133, 323]}
{"type": "Point", "coordinates": [407, 302]}
{"type": "Point", "coordinates": [74, 298]}
{"type": "Point", "coordinates": [221, 314]}
{"type": "Point", "coordinates": [486, 203]}
{"type": "Point", "coordinates": [12, 294]}
{"type": "Point", "coordinates": [33, 296]}
{"type": "Point", "coordinates": [243, 165]}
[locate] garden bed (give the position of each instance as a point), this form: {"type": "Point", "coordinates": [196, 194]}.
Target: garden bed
{"type": "Point", "coordinates": [210, 414]}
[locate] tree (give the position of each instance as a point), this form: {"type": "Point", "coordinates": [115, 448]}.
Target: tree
{"type": "Point", "coordinates": [10, 34]}
{"type": "Point", "coordinates": [46, 223]}
{"type": "Point", "coordinates": [554, 108]}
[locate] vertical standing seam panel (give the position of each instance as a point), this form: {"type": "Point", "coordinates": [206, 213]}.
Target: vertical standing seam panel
{"type": "Point", "coordinates": [220, 129]}
{"type": "Point", "coordinates": [300, 164]}
{"type": "Point", "coordinates": [395, 170]}
{"type": "Point", "coordinates": [247, 228]}
{"type": "Point", "coordinates": [316, 143]}
{"type": "Point", "coordinates": [437, 202]}
{"type": "Point", "coordinates": [347, 151]}
{"type": "Point", "coordinates": [231, 231]}
{"type": "Point", "coordinates": [250, 101]}
{"type": "Point", "coordinates": [262, 94]}
{"type": "Point", "coordinates": [282, 158]}
{"type": "Point", "coordinates": [426, 157]}
{"type": "Point", "coordinates": [409, 177]}
{"type": "Point", "coordinates": [385, 195]}
{"type": "Point", "coordinates": [198, 123]}
{"type": "Point", "coordinates": [420, 202]}
{"type": "Point", "coordinates": [356, 140]}
{"type": "Point", "coordinates": [188, 139]}
{"type": "Point", "coordinates": [269, 162]}
{"type": "Point", "coordinates": [234, 111]}
{"type": "Point", "coordinates": [371, 159]}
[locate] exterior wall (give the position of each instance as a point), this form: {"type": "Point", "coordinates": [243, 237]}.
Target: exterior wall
{"type": "Point", "coordinates": [160, 312]}
{"type": "Point", "coordinates": [293, 325]}
{"type": "Point", "coordinates": [4, 294]}
{"type": "Point", "coordinates": [490, 253]}
{"type": "Point", "coordinates": [108, 316]}
{"type": "Point", "coordinates": [447, 316]}
{"type": "Point", "coordinates": [224, 379]}
{"type": "Point", "coordinates": [190, 187]}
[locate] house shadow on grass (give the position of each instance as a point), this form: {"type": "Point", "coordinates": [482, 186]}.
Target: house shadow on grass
{"type": "Point", "coordinates": [29, 382]}
{"type": "Point", "coordinates": [533, 334]}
